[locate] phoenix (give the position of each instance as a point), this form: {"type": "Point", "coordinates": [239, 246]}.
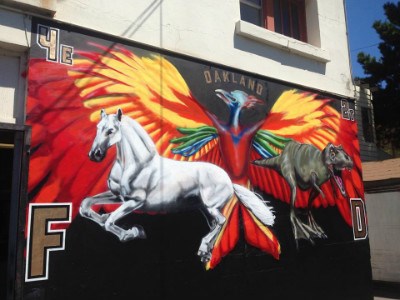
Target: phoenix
{"type": "Point", "coordinates": [64, 105]}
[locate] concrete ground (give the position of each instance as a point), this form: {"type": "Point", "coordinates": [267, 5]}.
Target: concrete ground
{"type": "Point", "coordinates": [386, 291]}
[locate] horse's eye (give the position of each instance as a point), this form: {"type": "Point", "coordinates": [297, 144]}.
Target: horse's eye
{"type": "Point", "coordinates": [109, 131]}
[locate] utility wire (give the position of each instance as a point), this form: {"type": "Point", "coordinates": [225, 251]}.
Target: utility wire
{"type": "Point", "coordinates": [365, 47]}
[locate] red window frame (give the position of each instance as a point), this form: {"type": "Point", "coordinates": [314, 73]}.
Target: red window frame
{"type": "Point", "coordinates": [269, 16]}
{"type": "Point", "coordinates": [291, 20]}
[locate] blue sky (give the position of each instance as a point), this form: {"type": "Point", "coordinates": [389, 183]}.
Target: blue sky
{"type": "Point", "coordinates": [361, 14]}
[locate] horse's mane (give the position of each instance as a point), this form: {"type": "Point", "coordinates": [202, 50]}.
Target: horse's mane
{"type": "Point", "coordinates": [140, 131]}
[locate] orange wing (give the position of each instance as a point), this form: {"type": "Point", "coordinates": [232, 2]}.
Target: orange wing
{"type": "Point", "coordinates": [64, 106]}
{"type": "Point", "coordinates": [149, 89]}
{"type": "Point", "coordinates": [310, 119]}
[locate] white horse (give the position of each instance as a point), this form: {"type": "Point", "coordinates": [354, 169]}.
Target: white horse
{"type": "Point", "coordinates": [141, 179]}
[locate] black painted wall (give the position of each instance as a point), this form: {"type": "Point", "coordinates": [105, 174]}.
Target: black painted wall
{"type": "Point", "coordinates": [95, 265]}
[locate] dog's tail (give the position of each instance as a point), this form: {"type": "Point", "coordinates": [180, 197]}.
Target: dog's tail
{"type": "Point", "coordinates": [255, 205]}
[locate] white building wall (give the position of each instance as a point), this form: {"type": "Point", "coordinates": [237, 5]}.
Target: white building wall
{"type": "Point", "coordinates": [14, 43]}
{"type": "Point", "coordinates": [206, 29]}
{"type": "Point", "coordinates": [209, 30]}
{"type": "Point", "coordinates": [8, 85]}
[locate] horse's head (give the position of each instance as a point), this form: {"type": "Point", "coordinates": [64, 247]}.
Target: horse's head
{"type": "Point", "coordinates": [108, 133]}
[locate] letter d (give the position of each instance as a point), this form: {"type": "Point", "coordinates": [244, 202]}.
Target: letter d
{"type": "Point", "coordinates": [358, 215]}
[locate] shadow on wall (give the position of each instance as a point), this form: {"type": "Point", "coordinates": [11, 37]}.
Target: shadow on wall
{"type": "Point", "coordinates": [283, 57]}
{"type": "Point", "coordinates": [142, 18]}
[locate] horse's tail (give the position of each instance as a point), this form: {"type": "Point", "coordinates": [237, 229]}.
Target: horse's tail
{"type": "Point", "coordinates": [255, 205]}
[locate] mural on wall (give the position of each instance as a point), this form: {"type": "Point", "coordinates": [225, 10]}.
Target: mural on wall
{"type": "Point", "coordinates": [307, 167]}
{"type": "Point", "coordinates": [139, 174]}
{"type": "Point", "coordinates": [174, 134]}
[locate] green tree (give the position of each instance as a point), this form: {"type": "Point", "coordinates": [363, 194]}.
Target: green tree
{"type": "Point", "coordinates": [384, 74]}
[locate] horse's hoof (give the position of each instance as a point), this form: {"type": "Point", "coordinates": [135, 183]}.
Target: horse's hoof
{"type": "Point", "coordinates": [204, 256]}
{"type": "Point", "coordinates": [133, 233]}
{"type": "Point", "coordinates": [142, 234]}
{"type": "Point", "coordinates": [126, 238]}
{"type": "Point", "coordinates": [128, 235]}
{"type": "Point", "coordinates": [205, 259]}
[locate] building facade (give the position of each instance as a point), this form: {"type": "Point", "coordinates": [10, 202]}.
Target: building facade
{"type": "Point", "coordinates": [159, 149]}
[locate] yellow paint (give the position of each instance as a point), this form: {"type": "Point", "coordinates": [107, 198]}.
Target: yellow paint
{"type": "Point", "coordinates": [309, 115]}
{"type": "Point", "coordinates": [154, 80]}
{"type": "Point", "coordinates": [264, 229]}
{"type": "Point", "coordinates": [227, 210]}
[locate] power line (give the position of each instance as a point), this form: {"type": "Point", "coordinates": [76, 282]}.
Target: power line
{"type": "Point", "coordinates": [365, 47]}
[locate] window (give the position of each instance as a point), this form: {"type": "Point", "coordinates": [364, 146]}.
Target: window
{"type": "Point", "coordinates": [286, 17]}
{"type": "Point", "coordinates": [367, 124]}
{"type": "Point", "coordinates": [251, 11]}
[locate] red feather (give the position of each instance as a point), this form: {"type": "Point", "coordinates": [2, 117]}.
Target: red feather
{"type": "Point", "coordinates": [61, 107]}
{"type": "Point", "coordinates": [309, 119]}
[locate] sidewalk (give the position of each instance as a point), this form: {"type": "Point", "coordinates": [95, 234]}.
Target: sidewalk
{"type": "Point", "coordinates": [386, 290]}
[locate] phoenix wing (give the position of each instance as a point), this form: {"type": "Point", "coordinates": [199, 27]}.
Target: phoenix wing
{"type": "Point", "coordinates": [64, 106]}
{"type": "Point", "coordinates": [310, 119]}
